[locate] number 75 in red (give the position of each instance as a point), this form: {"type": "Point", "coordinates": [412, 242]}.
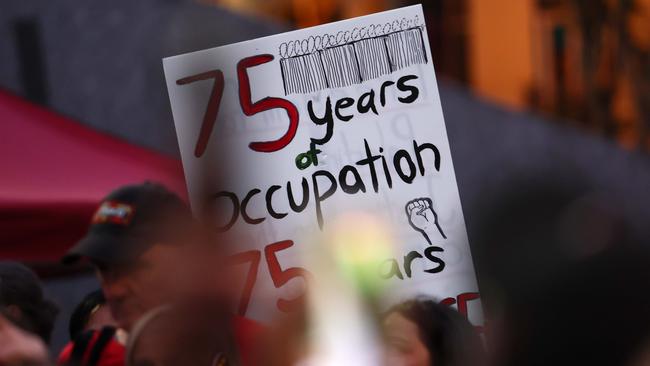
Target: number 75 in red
{"type": "Point", "coordinates": [247, 106]}
{"type": "Point", "coordinates": [279, 276]}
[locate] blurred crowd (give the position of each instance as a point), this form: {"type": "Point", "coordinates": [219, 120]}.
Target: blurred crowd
{"type": "Point", "coordinates": [165, 298]}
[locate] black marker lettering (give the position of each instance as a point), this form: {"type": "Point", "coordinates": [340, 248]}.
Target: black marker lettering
{"type": "Point", "coordinates": [269, 203]}
{"type": "Point", "coordinates": [403, 154]}
{"type": "Point", "coordinates": [358, 182]}
{"type": "Point", "coordinates": [305, 196]}
{"type": "Point", "coordinates": [382, 91]}
{"type": "Point", "coordinates": [318, 197]}
{"type": "Point", "coordinates": [393, 270]}
{"type": "Point", "coordinates": [389, 179]}
{"type": "Point", "coordinates": [244, 206]}
{"type": "Point", "coordinates": [235, 209]}
{"type": "Point", "coordinates": [413, 90]}
{"type": "Point", "coordinates": [429, 254]}
{"type": "Point", "coordinates": [370, 160]}
{"type": "Point", "coordinates": [408, 260]}
{"type": "Point", "coordinates": [370, 105]}
{"type": "Point", "coordinates": [325, 120]}
{"type": "Point", "coordinates": [341, 104]}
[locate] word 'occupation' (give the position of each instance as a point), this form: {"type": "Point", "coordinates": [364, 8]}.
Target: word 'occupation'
{"type": "Point", "coordinates": [324, 184]}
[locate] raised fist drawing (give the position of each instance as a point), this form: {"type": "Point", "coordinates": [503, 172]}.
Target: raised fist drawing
{"type": "Point", "coordinates": [422, 217]}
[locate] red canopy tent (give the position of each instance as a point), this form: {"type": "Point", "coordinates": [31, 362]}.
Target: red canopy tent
{"type": "Point", "coordinates": [54, 173]}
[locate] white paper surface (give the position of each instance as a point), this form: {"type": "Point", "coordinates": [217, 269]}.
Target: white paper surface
{"type": "Point", "coordinates": [348, 59]}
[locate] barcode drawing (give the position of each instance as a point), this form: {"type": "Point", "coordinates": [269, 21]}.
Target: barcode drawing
{"type": "Point", "coordinates": [340, 68]}
{"type": "Point", "coordinates": [406, 49]}
{"type": "Point", "coordinates": [331, 63]}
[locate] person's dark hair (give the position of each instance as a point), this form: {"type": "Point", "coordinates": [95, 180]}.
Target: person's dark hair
{"type": "Point", "coordinates": [450, 339]}
{"type": "Point", "coordinates": [20, 288]}
{"type": "Point", "coordinates": [83, 311]}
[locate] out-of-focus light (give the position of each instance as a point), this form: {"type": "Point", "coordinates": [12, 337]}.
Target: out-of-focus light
{"type": "Point", "coordinates": [359, 243]}
{"type": "Point", "coordinates": [346, 289]}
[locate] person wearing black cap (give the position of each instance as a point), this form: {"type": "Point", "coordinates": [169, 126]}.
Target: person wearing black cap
{"type": "Point", "coordinates": [22, 300]}
{"type": "Point", "coordinates": [149, 251]}
{"type": "Point", "coordinates": [26, 317]}
{"type": "Point", "coordinates": [136, 241]}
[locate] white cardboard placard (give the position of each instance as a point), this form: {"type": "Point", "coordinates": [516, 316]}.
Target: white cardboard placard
{"type": "Point", "coordinates": [350, 107]}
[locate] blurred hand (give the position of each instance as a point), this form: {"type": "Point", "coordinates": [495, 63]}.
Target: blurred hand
{"type": "Point", "coordinates": [19, 348]}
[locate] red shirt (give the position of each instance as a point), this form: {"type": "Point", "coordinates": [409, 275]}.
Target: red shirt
{"type": "Point", "coordinates": [114, 354]}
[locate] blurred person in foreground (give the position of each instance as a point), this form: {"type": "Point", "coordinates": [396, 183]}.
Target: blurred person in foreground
{"type": "Point", "coordinates": [135, 242]}
{"type": "Point", "coordinates": [422, 332]}
{"type": "Point", "coordinates": [22, 300]}
{"type": "Point", "coordinates": [149, 251]}
{"type": "Point", "coordinates": [171, 335]}
{"type": "Point", "coordinates": [596, 312]}
{"type": "Point", "coordinates": [564, 275]}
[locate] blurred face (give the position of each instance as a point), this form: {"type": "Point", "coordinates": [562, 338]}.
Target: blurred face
{"type": "Point", "coordinates": [131, 290]}
{"type": "Point", "coordinates": [404, 347]}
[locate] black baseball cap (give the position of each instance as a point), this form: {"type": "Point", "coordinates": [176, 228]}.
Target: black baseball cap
{"type": "Point", "coordinates": [129, 221]}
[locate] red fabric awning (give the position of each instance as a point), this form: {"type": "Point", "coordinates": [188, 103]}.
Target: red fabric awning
{"type": "Point", "coordinates": [54, 173]}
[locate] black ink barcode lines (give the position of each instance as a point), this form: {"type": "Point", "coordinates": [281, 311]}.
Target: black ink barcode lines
{"type": "Point", "coordinates": [350, 58]}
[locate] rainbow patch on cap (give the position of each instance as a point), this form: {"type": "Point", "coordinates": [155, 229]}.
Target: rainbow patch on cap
{"type": "Point", "coordinates": [114, 212]}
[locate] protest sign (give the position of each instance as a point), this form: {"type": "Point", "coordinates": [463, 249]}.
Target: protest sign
{"type": "Point", "coordinates": [280, 134]}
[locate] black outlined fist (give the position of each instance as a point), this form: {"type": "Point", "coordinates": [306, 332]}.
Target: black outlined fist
{"type": "Point", "coordinates": [422, 217]}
